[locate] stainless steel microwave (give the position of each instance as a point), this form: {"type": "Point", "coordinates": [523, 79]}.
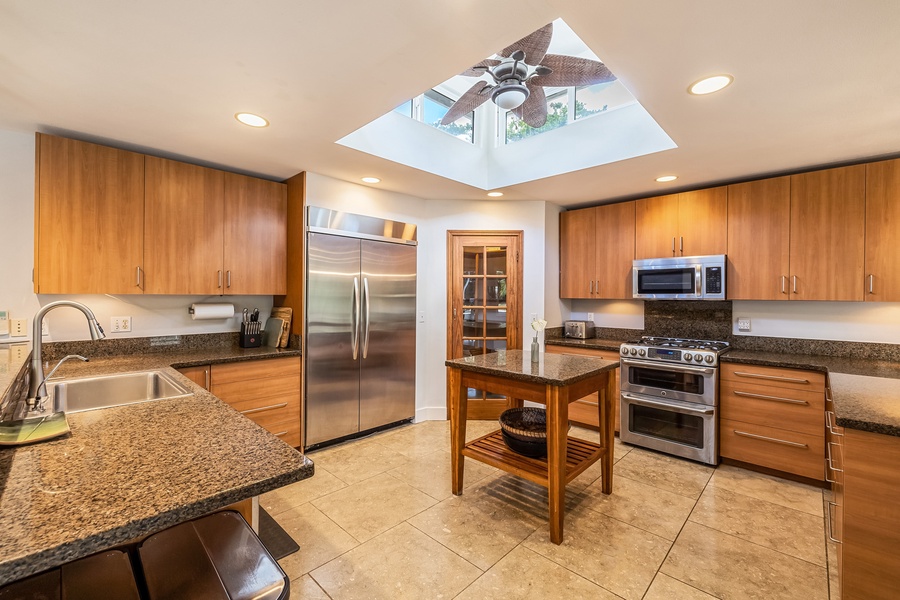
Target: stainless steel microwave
{"type": "Point", "coordinates": [680, 278]}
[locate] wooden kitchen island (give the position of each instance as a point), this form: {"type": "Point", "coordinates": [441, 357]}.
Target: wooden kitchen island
{"type": "Point", "coordinates": [554, 381]}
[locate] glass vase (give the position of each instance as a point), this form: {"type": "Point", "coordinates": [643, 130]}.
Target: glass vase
{"type": "Point", "coordinates": [535, 350]}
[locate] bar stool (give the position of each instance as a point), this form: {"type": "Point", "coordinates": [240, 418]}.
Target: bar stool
{"type": "Point", "coordinates": [104, 575]}
{"type": "Point", "coordinates": [216, 557]}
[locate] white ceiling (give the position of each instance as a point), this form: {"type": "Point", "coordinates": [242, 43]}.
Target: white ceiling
{"type": "Point", "coordinates": [816, 83]}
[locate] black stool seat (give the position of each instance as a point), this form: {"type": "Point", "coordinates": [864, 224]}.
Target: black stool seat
{"type": "Point", "coordinates": [104, 575]}
{"type": "Point", "coordinates": [217, 557]}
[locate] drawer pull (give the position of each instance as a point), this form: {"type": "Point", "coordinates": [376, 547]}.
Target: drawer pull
{"type": "Point", "coordinates": [250, 411]}
{"type": "Point", "coordinates": [769, 439]}
{"type": "Point", "coordinates": [828, 466]}
{"type": "Point", "coordinates": [829, 459]}
{"type": "Point", "coordinates": [831, 522]}
{"type": "Point", "coordinates": [770, 377]}
{"type": "Point", "coordinates": [280, 434]}
{"type": "Point", "coordinates": [770, 398]}
{"type": "Point", "coordinates": [832, 427]}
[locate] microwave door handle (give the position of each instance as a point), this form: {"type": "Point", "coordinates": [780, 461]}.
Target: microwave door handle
{"type": "Point", "coordinates": [698, 281]}
{"type": "Point", "coordinates": [672, 367]}
{"type": "Point", "coordinates": [679, 408]}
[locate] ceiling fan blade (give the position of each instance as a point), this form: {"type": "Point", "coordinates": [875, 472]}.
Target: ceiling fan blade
{"type": "Point", "coordinates": [534, 110]}
{"type": "Point", "coordinates": [571, 70]}
{"type": "Point", "coordinates": [481, 68]}
{"type": "Point", "coordinates": [534, 45]}
{"type": "Point", "coordinates": [474, 97]}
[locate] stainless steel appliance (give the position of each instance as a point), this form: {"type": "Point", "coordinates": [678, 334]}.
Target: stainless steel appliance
{"type": "Point", "coordinates": [670, 396]}
{"type": "Point", "coordinates": [680, 278]}
{"type": "Point", "coordinates": [360, 342]}
{"type": "Point", "coordinates": [581, 330]}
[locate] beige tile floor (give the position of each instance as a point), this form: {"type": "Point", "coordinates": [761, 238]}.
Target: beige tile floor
{"type": "Point", "coordinates": [378, 521]}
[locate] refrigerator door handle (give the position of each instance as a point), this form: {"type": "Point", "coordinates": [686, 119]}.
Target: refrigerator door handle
{"type": "Point", "coordinates": [354, 319]}
{"type": "Point", "coordinates": [365, 301]}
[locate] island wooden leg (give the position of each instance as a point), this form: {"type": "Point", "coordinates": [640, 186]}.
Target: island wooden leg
{"type": "Point", "coordinates": [457, 399]}
{"type": "Point", "coordinates": [608, 431]}
{"type": "Point", "coordinates": [557, 432]}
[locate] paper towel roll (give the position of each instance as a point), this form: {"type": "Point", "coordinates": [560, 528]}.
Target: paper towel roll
{"type": "Point", "coordinates": [212, 311]}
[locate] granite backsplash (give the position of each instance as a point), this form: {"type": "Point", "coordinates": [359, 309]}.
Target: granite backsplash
{"type": "Point", "coordinates": [712, 320]}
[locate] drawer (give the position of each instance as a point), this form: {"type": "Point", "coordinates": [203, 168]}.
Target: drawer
{"type": "Point", "coordinates": [256, 390]}
{"type": "Point", "coordinates": [795, 379]}
{"type": "Point", "coordinates": [288, 430]}
{"type": "Point", "coordinates": [788, 451]}
{"type": "Point", "coordinates": [783, 408]}
{"type": "Point", "coordinates": [270, 410]}
{"type": "Point", "coordinates": [255, 369]}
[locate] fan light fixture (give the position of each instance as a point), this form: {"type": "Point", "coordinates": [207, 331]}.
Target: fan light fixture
{"type": "Point", "coordinates": [371, 180]}
{"type": "Point", "coordinates": [666, 178]}
{"type": "Point", "coordinates": [495, 194]}
{"type": "Point", "coordinates": [510, 95]}
{"type": "Point", "coordinates": [251, 119]}
{"type": "Point", "coordinates": [709, 85]}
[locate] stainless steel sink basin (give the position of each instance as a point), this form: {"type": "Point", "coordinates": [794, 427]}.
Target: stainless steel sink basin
{"type": "Point", "coordinates": [89, 393]}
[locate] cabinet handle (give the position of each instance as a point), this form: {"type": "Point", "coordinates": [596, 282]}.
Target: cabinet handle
{"type": "Point", "coordinates": [138, 276]}
{"type": "Point", "coordinates": [592, 286]}
{"type": "Point", "coordinates": [206, 374]}
{"type": "Point", "coordinates": [673, 245]}
{"type": "Point", "coordinates": [829, 459]}
{"type": "Point", "coordinates": [794, 278]}
{"type": "Point", "coordinates": [220, 278]}
{"type": "Point", "coordinates": [681, 245]}
{"type": "Point", "coordinates": [280, 434]}
{"type": "Point", "coordinates": [251, 411]}
{"type": "Point", "coordinates": [831, 523]}
{"type": "Point", "coordinates": [828, 466]}
{"type": "Point", "coordinates": [832, 426]}
{"type": "Point", "coordinates": [228, 278]}
{"type": "Point", "coordinates": [772, 377]}
{"type": "Point", "coordinates": [784, 284]}
{"type": "Point", "coordinates": [871, 283]}
{"type": "Point", "coordinates": [769, 439]}
{"type": "Point", "coordinates": [770, 398]}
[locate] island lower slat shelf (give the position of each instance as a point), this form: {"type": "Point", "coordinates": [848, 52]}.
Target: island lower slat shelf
{"type": "Point", "coordinates": [492, 450]}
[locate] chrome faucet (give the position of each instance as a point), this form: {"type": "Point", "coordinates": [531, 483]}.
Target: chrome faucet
{"type": "Point", "coordinates": [36, 382]}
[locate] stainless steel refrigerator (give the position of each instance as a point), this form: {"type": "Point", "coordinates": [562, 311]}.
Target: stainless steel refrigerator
{"type": "Point", "coordinates": [360, 351]}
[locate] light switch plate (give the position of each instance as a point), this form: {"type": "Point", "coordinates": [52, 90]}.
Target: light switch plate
{"type": "Point", "coordinates": [18, 327]}
{"type": "Point", "coordinates": [743, 324]}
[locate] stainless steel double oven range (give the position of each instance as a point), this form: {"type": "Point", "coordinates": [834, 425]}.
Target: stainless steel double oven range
{"type": "Point", "coordinates": [669, 396]}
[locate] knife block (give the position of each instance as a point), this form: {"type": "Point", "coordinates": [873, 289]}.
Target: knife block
{"type": "Point", "coordinates": [249, 340]}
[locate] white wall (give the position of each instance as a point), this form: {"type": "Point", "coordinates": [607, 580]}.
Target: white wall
{"type": "Point", "coordinates": [433, 219]}
{"type": "Point", "coordinates": [852, 321]}
{"type": "Point", "coordinates": [151, 315]}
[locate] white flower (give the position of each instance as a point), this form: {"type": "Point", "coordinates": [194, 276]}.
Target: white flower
{"type": "Point", "coordinates": [538, 324]}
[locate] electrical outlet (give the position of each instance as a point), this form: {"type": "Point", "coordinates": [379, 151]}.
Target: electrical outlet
{"type": "Point", "coordinates": [743, 324]}
{"type": "Point", "coordinates": [45, 327]}
{"type": "Point", "coordinates": [19, 351]}
{"type": "Point", "coordinates": [590, 317]}
{"type": "Point", "coordinates": [119, 324]}
{"type": "Point", "coordinates": [17, 327]}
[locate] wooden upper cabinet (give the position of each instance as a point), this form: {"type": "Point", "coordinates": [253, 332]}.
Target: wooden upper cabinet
{"type": "Point", "coordinates": [89, 211]}
{"type": "Point", "coordinates": [657, 227]}
{"type": "Point", "coordinates": [255, 236]}
{"type": "Point", "coordinates": [828, 212]}
{"type": "Point", "coordinates": [759, 232]}
{"type": "Point", "coordinates": [577, 253]}
{"type": "Point", "coordinates": [614, 234]}
{"type": "Point", "coordinates": [882, 274]}
{"type": "Point", "coordinates": [183, 228]}
{"type": "Point", "coordinates": [702, 217]}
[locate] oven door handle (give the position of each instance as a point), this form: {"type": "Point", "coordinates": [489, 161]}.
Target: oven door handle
{"type": "Point", "coordinates": [666, 366]}
{"type": "Point", "coordinates": [679, 408]}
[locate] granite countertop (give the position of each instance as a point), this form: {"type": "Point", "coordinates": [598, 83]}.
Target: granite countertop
{"type": "Point", "coordinates": [128, 471]}
{"type": "Point", "coordinates": [591, 343]}
{"type": "Point", "coordinates": [553, 369]}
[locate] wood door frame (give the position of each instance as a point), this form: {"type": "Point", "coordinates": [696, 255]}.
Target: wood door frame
{"type": "Point", "coordinates": [515, 284]}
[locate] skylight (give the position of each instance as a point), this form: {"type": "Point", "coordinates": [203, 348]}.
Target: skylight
{"type": "Point", "coordinates": [586, 126]}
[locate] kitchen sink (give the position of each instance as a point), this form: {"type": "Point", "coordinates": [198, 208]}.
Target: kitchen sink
{"type": "Point", "coordinates": [90, 393]}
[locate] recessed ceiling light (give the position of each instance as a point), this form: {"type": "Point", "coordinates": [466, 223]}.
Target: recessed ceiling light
{"type": "Point", "coordinates": [709, 85]}
{"type": "Point", "coordinates": [495, 194]}
{"type": "Point", "coordinates": [371, 180]}
{"type": "Point", "coordinates": [666, 178]}
{"type": "Point", "coordinates": [251, 120]}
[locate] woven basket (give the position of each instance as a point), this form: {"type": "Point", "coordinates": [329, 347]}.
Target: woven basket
{"type": "Point", "coordinates": [527, 424]}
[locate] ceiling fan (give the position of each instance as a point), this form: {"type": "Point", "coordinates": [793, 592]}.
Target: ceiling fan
{"type": "Point", "coordinates": [521, 73]}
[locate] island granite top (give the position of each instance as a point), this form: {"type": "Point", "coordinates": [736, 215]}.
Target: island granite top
{"type": "Point", "coordinates": [128, 471]}
{"type": "Point", "coordinates": [552, 369]}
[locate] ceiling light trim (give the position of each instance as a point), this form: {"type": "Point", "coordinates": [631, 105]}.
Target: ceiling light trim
{"type": "Point", "coordinates": [251, 119]}
{"type": "Point", "coordinates": [711, 84]}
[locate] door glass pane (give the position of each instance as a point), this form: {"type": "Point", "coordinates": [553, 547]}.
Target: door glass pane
{"type": "Point", "coordinates": [473, 260]}
{"type": "Point", "coordinates": [494, 345]}
{"type": "Point", "coordinates": [496, 324]}
{"type": "Point", "coordinates": [473, 322]}
{"type": "Point", "coordinates": [473, 347]}
{"type": "Point", "coordinates": [495, 293]}
{"type": "Point", "coordinates": [472, 295]}
{"type": "Point", "coordinates": [496, 260]}
{"type": "Point", "coordinates": [667, 425]}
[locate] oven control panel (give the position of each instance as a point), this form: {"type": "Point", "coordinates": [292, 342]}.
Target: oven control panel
{"type": "Point", "coordinates": [695, 357]}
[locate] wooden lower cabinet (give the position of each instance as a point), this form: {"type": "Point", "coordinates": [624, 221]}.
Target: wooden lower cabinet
{"type": "Point", "coordinates": [198, 374]}
{"type": "Point", "coordinates": [265, 391]}
{"type": "Point", "coordinates": [773, 418]}
{"type": "Point", "coordinates": [585, 411]}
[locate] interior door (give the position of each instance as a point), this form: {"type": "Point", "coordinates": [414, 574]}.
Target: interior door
{"type": "Point", "coordinates": [485, 303]}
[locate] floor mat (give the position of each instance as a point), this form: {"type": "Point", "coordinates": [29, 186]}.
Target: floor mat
{"type": "Point", "coordinates": [274, 538]}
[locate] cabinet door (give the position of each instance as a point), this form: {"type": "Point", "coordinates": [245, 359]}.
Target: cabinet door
{"type": "Point", "coordinates": [828, 234]}
{"type": "Point", "coordinates": [89, 214]}
{"type": "Point", "coordinates": [702, 227]}
{"type": "Point", "coordinates": [759, 234]}
{"type": "Point", "coordinates": [255, 236]}
{"type": "Point", "coordinates": [199, 375]}
{"type": "Point", "coordinates": [577, 249]}
{"type": "Point", "coordinates": [614, 236]}
{"type": "Point", "coordinates": [882, 282]}
{"type": "Point", "coordinates": [656, 227]}
{"type": "Point", "coordinates": [183, 228]}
